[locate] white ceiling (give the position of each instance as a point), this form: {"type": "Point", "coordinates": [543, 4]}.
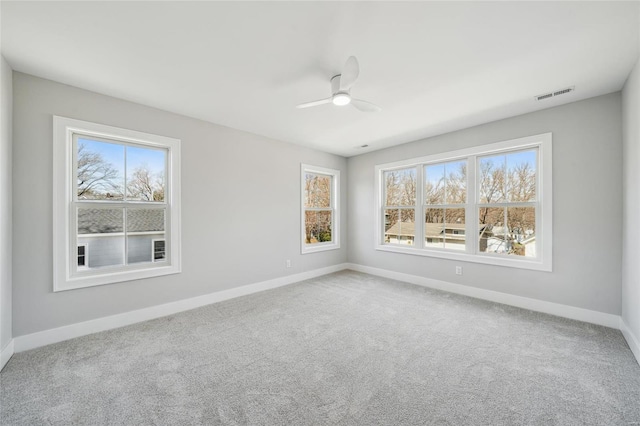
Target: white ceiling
{"type": "Point", "coordinates": [433, 67]}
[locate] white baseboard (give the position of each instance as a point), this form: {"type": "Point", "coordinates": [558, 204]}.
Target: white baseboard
{"type": "Point", "coordinates": [6, 354]}
{"type": "Point", "coordinates": [632, 340]}
{"type": "Point", "coordinates": [46, 337]}
{"type": "Point", "coordinates": [566, 311]}
{"type": "Point", "coordinates": [54, 335]}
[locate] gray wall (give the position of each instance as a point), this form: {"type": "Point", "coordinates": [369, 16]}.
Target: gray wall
{"type": "Point", "coordinates": [631, 214]}
{"type": "Point", "coordinates": [240, 207]}
{"type": "Point", "coordinates": [587, 200]}
{"type": "Point", "coordinates": [5, 202]}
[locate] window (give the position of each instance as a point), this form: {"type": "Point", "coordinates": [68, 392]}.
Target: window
{"type": "Point", "coordinates": [320, 214]}
{"type": "Point", "coordinates": [83, 254]}
{"type": "Point", "coordinates": [399, 209]}
{"type": "Point", "coordinates": [117, 192]}
{"type": "Point", "coordinates": [158, 254]}
{"type": "Point", "coordinates": [487, 204]}
{"type": "Point", "coordinates": [445, 196]}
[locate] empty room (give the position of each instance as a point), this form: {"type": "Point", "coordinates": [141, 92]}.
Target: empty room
{"type": "Point", "coordinates": [319, 213]}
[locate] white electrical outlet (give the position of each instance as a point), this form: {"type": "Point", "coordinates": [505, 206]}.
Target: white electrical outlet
{"type": "Point", "coordinates": [458, 270]}
{"type": "Point", "coordinates": [288, 263]}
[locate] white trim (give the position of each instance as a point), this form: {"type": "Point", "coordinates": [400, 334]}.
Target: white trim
{"type": "Point", "coordinates": [557, 309]}
{"type": "Point", "coordinates": [544, 216]}
{"type": "Point", "coordinates": [120, 234]}
{"type": "Point", "coordinates": [632, 340]}
{"type": "Point", "coordinates": [335, 209]}
{"type": "Point", "coordinates": [46, 337]}
{"type": "Point", "coordinates": [6, 354]}
{"type": "Point", "coordinates": [66, 275]}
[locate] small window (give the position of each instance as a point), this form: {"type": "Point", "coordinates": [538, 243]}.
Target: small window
{"type": "Point", "coordinates": [158, 250]}
{"type": "Point", "coordinates": [320, 214]}
{"type": "Point", "coordinates": [83, 255]}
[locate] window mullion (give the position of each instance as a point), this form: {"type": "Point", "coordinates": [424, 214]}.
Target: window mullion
{"type": "Point", "coordinates": [418, 211]}
{"type": "Point", "coordinates": [73, 236]}
{"type": "Point", "coordinates": [471, 209]}
{"type": "Point", "coordinates": [125, 260]}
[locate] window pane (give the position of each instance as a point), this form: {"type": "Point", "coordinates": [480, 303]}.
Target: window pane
{"type": "Point", "coordinates": [434, 182]}
{"type": "Point", "coordinates": [521, 176]}
{"type": "Point", "coordinates": [456, 182]}
{"type": "Point", "coordinates": [101, 231]}
{"type": "Point", "coordinates": [445, 228]}
{"type": "Point", "coordinates": [140, 247]}
{"type": "Point", "coordinates": [146, 171]}
{"type": "Point", "coordinates": [81, 250]}
{"type": "Point", "coordinates": [400, 187]}
{"type": "Point", "coordinates": [106, 251]}
{"type": "Point", "coordinates": [454, 229]}
{"type": "Point", "coordinates": [100, 172]}
{"type": "Point", "coordinates": [434, 228]}
{"type": "Point", "coordinates": [400, 227]}
{"type": "Point", "coordinates": [493, 234]}
{"type": "Point", "coordinates": [100, 221]}
{"type": "Point", "coordinates": [317, 190]}
{"type": "Point", "coordinates": [143, 226]}
{"type": "Point", "coordinates": [318, 227]}
{"type": "Point", "coordinates": [145, 220]}
{"type": "Point", "coordinates": [491, 176]}
{"type": "Point", "coordinates": [522, 231]}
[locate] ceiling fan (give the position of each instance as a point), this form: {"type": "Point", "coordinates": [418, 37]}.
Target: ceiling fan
{"type": "Point", "coordinates": [341, 90]}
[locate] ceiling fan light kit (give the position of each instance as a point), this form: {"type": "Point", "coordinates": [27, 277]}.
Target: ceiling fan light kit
{"type": "Point", "coordinates": [341, 90]}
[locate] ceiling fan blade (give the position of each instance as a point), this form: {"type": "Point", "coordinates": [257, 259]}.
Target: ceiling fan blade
{"type": "Point", "coordinates": [365, 106]}
{"type": "Point", "coordinates": [349, 73]}
{"type": "Point", "coordinates": [314, 103]}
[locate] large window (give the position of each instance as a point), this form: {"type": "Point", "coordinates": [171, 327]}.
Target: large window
{"type": "Point", "coordinates": [488, 204]}
{"type": "Point", "coordinates": [320, 216]}
{"type": "Point", "coordinates": [116, 197]}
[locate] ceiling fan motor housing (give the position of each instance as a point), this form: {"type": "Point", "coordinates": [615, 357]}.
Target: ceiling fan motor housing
{"type": "Point", "coordinates": [339, 97]}
{"type": "Point", "coordinates": [335, 83]}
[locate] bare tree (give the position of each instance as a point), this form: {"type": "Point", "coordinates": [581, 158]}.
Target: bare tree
{"type": "Point", "coordinates": [96, 177]}
{"type": "Point", "coordinates": [401, 191]}
{"type": "Point", "coordinates": [318, 196]}
{"type": "Point", "coordinates": [144, 185]}
{"type": "Point", "coordinates": [517, 184]}
{"type": "Point", "coordinates": [492, 187]}
{"type": "Point", "coordinates": [521, 183]}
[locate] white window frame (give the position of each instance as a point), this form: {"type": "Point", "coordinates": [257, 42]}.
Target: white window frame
{"type": "Point", "coordinates": [335, 209]}
{"type": "Point", "coordinates": [66, 276]}
{"type": "Point", "coordinates": [544, 216]}
{"type": "Point", "coordinates": [153, 250]}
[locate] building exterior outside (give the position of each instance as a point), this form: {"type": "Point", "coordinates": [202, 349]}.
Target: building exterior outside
{"type": "Point", "coordinates": [101, 236]}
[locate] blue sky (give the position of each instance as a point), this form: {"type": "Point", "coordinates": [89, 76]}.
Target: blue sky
{"type": "Point", "coordinates": [435, 173]}
{"type": "Point", "coordinates": [113, 153]}
{"type": "Point", "coordinates": [512, 160]}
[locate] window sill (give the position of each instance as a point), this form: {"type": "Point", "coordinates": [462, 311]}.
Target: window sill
{"type": "Point", "coordinates": [487, 259]}
{"type": "Point", "coordinates": [306, 249]}
{"type": "Point", "coordinates": [85, 280]}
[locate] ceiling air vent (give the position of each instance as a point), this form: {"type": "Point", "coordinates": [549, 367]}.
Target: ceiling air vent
{"type": "Point", "coordinates": [556, 93]}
